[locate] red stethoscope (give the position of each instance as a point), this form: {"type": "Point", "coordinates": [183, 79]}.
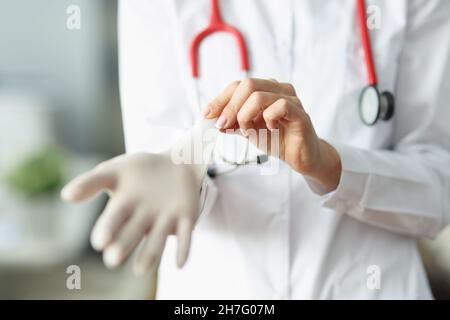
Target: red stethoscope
{"type": "Point", "coordinates": [216, 24]}
{"type": "Point", "coordinates": [373, 105]}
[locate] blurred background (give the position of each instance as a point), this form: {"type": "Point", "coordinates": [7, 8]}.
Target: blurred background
{"type": "Point", "coordinates": [59, 116]}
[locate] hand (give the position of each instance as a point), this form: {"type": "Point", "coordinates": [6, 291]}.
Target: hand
{"type": "Point", "coordinates": [268, 104]}
{"type": "Point", "coordinates": [149, 197]}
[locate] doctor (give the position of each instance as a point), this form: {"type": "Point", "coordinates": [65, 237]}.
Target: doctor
{"type": "Point", "coordinates": [341, 216]}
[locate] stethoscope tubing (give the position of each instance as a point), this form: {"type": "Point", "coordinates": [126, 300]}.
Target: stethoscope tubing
{"type": "Point", "coordinates": [217, 24]}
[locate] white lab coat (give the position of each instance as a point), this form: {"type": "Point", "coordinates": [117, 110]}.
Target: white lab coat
{"type": "Point", "coordinates": [276, 236]}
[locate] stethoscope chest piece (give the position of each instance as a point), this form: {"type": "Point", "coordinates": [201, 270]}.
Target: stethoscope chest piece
{"type": "Point", "coordinates": [374, 105]}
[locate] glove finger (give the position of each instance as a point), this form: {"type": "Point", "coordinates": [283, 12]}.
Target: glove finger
{"type": "Point", "coordinates": [128, 238]}
{"type": "Point", "coordinates": [184, 232]}
{"type": "Point", "coordinates": [106, 228]}
{"type": "Point", "coordinates": [88, 185]}
{"type": "Point", "coordinates": [150, 255]}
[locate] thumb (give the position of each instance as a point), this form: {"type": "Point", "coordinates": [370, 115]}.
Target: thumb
{"type": "Point", "coordinates": [88, 185]}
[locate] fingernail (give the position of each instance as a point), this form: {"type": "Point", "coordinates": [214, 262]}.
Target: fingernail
{"type": "Point", "coordinates": [181, 260]}
{"type": "Point", "coordinates": [139, 270]}
{"type": "Point", "coordinates": [244, 132]}
{"type": "Point", "coordinates": [65, 194]}
{"type": "Point", "coordinates": [112, 257]}
{"type": "Point", "coordinates": [220, 124]}
{"type": "Point", "coordinates": [99, 240]}
{"type": "Point", "coordinates": [206, 111]}
{"type": "Point", "coordinates": [68, 193]}
{"type": "Point", "coordinates": [142, 268]}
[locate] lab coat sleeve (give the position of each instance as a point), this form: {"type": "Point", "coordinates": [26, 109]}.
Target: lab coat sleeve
{"type": "Point", "coordinates": [155, 109]}
{"type": "Point", "coordinates": [406, 189]}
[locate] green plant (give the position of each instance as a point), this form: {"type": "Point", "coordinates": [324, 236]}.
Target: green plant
{"type": "Point", "coordinates": [39, 174]}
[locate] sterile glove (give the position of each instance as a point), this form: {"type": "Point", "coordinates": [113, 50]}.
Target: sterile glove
{"type": "Point", "coordinates": [150, 196]}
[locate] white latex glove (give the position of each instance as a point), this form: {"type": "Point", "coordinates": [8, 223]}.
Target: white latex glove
{"type": "Point", "coordinates": [150, 197]}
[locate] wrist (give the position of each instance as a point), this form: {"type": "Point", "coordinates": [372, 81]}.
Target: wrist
{"type": "Point", "coordinates": [328, 170]}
